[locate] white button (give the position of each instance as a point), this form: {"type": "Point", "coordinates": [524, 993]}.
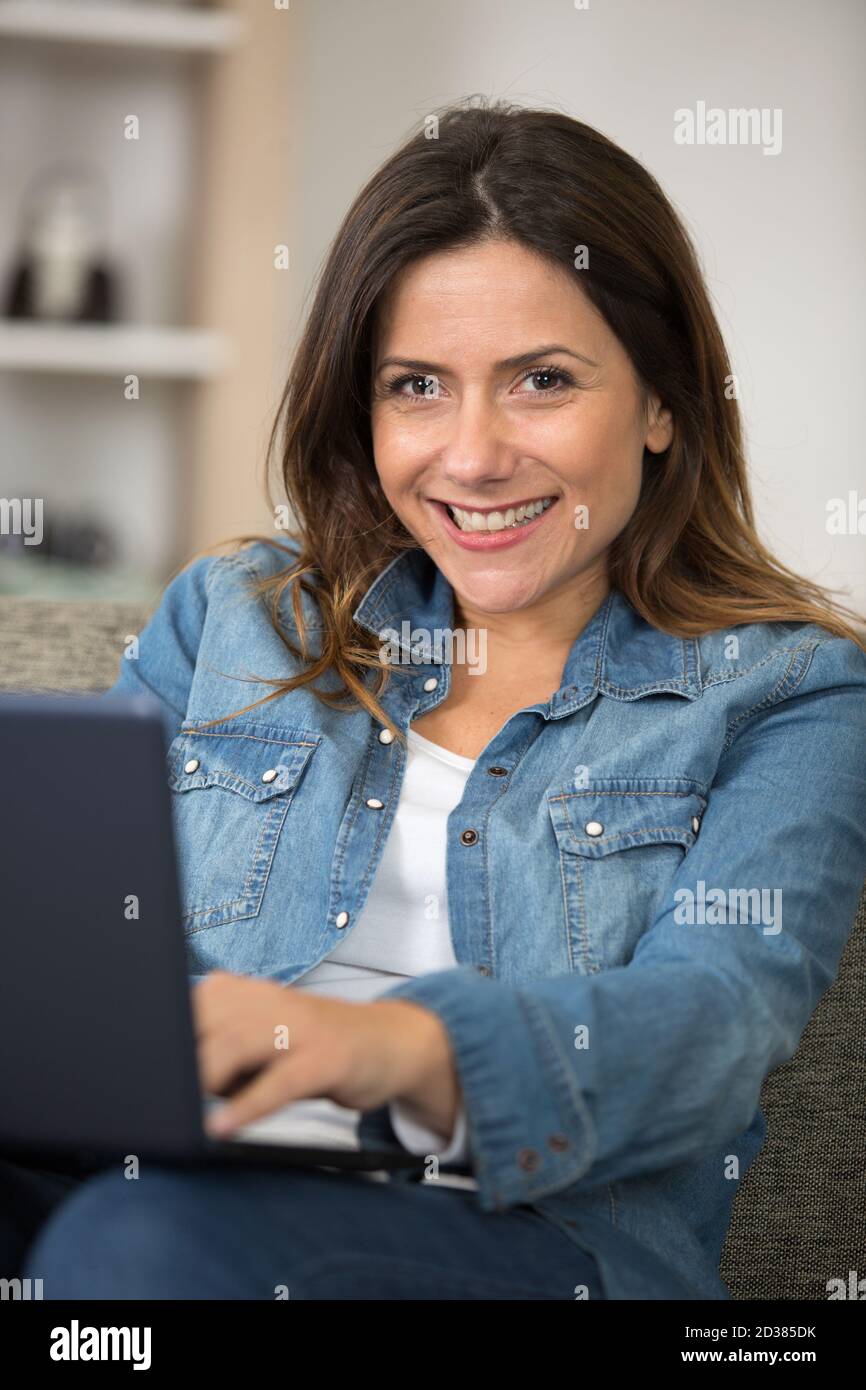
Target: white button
{"type": "Point", "coordinates": [374, 804]}
{"type": "Point", "coordinates": [270, 775]}
{"type": "Point", "coordinates": [342, 919]}
{"type": "Point", "coordinates": [696, 825]}
{"type": "Point", "coordinates": [386, 736]}
{"type": "Point", "coordinates": [192, 766]}
{"type": "Point", "coordinates": [594, 827]}
{"type": "Point", "coordinates": [431, 683]}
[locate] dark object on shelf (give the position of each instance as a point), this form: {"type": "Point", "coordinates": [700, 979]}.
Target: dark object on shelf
{"type": "Point", "coordinates": [80, 542]}
{"type": "Point", "coordinates": [60, 271]}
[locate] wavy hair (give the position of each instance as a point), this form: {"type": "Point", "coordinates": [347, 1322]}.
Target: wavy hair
{"type": "Point", "coordinates": [689, 560]}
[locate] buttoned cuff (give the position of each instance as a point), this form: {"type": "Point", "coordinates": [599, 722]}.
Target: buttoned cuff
{"type": "Point", "coordinates": [420, 1140]}
{"type": "Point", "coordinates": [528, 1125]}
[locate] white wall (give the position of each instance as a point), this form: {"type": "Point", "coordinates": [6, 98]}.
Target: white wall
{"type": "Point", "coordinates": [781, 236]}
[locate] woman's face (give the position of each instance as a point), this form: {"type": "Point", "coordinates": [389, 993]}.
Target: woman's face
{"type": "Point", "coordinates": [497, 386]}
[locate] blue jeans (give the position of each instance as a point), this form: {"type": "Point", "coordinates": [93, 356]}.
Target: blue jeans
{"type": "Point", "coordinates": [254, 1234]}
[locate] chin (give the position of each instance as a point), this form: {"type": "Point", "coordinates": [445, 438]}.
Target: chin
{"type": "Point", "coordinates": [499, 593]}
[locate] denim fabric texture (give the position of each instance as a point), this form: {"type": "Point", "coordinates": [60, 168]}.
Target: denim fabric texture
{"type": "Point", "coordinates": [664, 868]}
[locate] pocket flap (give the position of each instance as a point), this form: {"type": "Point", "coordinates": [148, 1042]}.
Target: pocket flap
{"type": "Point", "coordinates": [620, 812]}
{"type": "Point", "coordinates": [257, 761]}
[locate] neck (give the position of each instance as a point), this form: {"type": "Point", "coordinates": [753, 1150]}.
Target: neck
{"type": "Point", "coordinates": [544, 631]}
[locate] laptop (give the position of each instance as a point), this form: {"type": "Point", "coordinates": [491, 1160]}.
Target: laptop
{"type": "Point", "coordinates": [96, 1027]}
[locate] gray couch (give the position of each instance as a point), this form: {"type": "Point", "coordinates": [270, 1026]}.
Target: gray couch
{"type": "Point", "coordinates": [800, 1215]}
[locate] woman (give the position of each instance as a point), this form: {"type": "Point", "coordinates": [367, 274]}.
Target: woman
{"type": "Point", "coordinates": [521, 785]}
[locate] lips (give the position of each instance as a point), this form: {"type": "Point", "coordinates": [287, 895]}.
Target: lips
{"type": "Point", "coordinates": [503, 534]}
{"type": "Point", "coordinates": [497, 518]}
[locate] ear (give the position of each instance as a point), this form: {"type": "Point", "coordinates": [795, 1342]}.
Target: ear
{"type": "Point", "coordinates": [660, 426]}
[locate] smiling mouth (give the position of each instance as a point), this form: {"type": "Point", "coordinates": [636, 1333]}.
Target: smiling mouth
{"type": "Point", "coordinates": [498, 519]}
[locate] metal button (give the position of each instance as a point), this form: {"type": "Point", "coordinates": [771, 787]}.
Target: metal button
{"type": "Point", "coordinates": [498, 771]}
{"type": "Point", "coordinates": [374, 804]}
{"type": "Point", "coordinates": [341, 919]}
{"type": "Point", "coordinates": [557, 1142]}
{"type": "Point", "coordinates": [696, 824]}
{"type": "Point", "coordinates": [271, 775]}
{"type": "Point", "coordinates": [529, 1160]}
{"type": "Point", "coordinates": [483, 969]}
{"type": "Point", "coordinates": [192, 766]}
{"type": "Point", "coordinates": [386, 736]}
{"type": "Point", "coordinates": [469, 837]}
{"type": "Point", "coordinates": [594, 827]}
{"type": "Point", "coordinates": [431, 683]}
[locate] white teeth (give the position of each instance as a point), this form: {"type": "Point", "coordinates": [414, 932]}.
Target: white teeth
{"type": "Point", "coordinates": [499, 521]}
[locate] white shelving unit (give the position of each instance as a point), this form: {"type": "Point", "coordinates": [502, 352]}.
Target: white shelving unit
{"type": "Point", "coordinates": [166, 354]}
{"type": "Point", "coordinates": [68, 67]}
{"type": "Point", "coordinates": [180, 30]}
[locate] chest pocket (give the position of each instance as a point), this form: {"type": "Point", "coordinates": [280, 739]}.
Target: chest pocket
{"type": "Point", "coordinates": [621, 841]}
{"type": "Point", "coordinates": [232, 792]}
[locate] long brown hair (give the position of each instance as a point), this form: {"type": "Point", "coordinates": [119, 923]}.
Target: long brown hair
{"type": "Point", "coordinates": [689, 560]}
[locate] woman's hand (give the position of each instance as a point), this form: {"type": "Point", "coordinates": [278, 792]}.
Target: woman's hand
{"type": "Point", "coordinates": [266, 1044]}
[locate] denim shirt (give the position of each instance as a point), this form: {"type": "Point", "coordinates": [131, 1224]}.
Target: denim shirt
{"type": "Point", "coordinates": [651, 878]}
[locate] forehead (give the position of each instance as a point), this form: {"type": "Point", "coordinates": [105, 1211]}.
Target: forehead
{"type": "Point", "coordinates": [497, 296]}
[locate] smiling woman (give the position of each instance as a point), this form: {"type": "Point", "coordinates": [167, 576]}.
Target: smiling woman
{"type": "Point", "coordinates": [457, 889]}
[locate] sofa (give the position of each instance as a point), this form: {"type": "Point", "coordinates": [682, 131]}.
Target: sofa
{"type": "Point", "coordinates": [799, 1217]}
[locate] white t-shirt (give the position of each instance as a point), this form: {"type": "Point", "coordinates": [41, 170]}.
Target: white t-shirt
{"type": "Point", "coordinates": [402, 932]}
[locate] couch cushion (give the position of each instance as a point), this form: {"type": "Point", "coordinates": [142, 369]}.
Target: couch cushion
{"type": "Point", "coordinates": [49, 646]}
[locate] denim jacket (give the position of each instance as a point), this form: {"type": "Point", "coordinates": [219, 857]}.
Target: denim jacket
{"type": "Point", "coordinates": [651, 877]}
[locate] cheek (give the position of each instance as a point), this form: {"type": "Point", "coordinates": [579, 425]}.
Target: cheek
{"type": "Point", "coordinates": [604, 470]}
{"type": "Point", "coordinates": [398, 456]}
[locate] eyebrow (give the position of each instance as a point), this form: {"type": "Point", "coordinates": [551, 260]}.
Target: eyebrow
{"type": "Point", "coordinates": [522, 359]}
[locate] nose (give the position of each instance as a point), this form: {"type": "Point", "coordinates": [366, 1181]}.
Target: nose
{"type": "Point", "coordinates": [477, 448]}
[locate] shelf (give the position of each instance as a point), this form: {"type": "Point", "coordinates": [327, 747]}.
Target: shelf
{"type": "Point", "coordinates": [37, 578]}
{"type": "Point", "coordinates": [109, 349]}
{"type": "Point", "coordinates": [181, 30]}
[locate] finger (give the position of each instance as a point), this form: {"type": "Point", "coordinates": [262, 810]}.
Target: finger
{"type": "Point", "coordinates": [274, 1086]}
{"type": "Point", "coordinates": [225, 1057]}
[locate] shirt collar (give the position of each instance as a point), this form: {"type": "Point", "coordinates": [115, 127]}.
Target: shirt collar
{"type": "Point", "coordinates": [617, 653]}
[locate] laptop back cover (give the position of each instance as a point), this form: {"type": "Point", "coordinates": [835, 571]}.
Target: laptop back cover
{"type": "Point", "coordinates": [96, 1035]}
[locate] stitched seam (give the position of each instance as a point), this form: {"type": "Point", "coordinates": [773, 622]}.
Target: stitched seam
{"type": "Point", "coordinates": [586, 950]}
{"type": "Point", "coordinates": [238, 562]}
{"type": "Point", "coordinates": [223, 772]}
{"type": "Point", "coordinates": [776, 693]}
{"type": "Point", "coordinates": [626, 834]}
{"type": "Point", "coordinates": [382, 596]}
{"type": "Point", "coordinates": [725, 677]}
{"type": "Point", "coordinates": [588, 791]}
{"type": "Point", "coordinates": [566, 912]}
{"type": "Point", "coordinates": [255, 738]}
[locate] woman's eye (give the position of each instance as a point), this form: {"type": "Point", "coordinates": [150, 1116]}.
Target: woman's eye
{"type": "Point", "coordinates": [547, 380]}
{"type": "Point", "coordinates": [421, 387]}
{"type": "Point", "coordinates": [417, 386]}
